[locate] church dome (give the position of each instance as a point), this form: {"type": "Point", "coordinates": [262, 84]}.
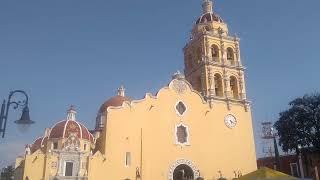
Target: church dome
{"type": "Point", "coordinates": [38, 144]}
{"type": "Point", "coordinates": [207, 13]}
{"type": "Point", "coordinates": [65, 128]}
{"type": "Point", "coordinates": [209, 17]}
{"type": "Point", "coordinates": [115, 101]}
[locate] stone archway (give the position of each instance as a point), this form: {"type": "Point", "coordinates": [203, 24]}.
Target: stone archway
{"type": "Point", "coordinates": [183, 169]}
{"type": "Point", "coordinates": [183, 172]}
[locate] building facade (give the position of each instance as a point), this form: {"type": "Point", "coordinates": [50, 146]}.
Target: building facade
{"type": "Point", "coordinates": [197, 127]}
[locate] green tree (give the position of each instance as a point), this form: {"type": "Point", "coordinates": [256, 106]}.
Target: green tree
{"type": "Point", "coordinates": [300, 124]}
{"type": "Point", "coordinates": [7, 173]}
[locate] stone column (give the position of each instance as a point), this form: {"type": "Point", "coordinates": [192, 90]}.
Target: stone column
{"type": "Point", "coordinates": [242, 86]}
{"type": "Point", "coordinates": [227, 86]}
{"type": "Point", "coordinates": [212, 90]}
{"type": "Point", "coordinates": [223, 52]}
{"type": "Point", "coordinates": [237, 52]}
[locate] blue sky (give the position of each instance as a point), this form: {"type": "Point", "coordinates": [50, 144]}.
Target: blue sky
{"type": "Point", "coordinates": [79, 52]}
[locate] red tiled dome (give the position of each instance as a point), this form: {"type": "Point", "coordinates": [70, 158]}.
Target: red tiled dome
{"type": "Point", "coordinates": [114, 101]}
{"type": "Point", "coordinates": [38, 144]}
{"type": "Point", "coordinates": [64, 128]}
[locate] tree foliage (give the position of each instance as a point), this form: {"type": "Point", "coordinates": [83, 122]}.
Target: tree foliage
{"type": "Point", "coordinates": [300, 124]}
{"type": "Point", "coordinates": [7, 173]}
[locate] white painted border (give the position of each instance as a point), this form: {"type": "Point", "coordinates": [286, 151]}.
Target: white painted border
{"type": "Point", "coordinates": [177, 112]}
{"type": "Point", "coordinates": [176, 136]}
{"type": "Point", "coordinates": [178, 162]}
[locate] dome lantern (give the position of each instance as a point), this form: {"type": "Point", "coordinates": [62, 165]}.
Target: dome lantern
{"type": "Point", "coordinates": [71, 113]}
{"type": "Point", "coordinates": [207, 6]}
{"type": "Point", "coordinates": [121, 91]}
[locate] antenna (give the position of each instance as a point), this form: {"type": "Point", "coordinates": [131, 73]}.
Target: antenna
{"type": "Point", "coordinates": [267, 139]}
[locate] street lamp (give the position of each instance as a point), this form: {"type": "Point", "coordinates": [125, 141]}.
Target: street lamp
{"type": "Point", "coordinates": [300, 162]}
{"type": "Point", "coordinates": [25, 117]}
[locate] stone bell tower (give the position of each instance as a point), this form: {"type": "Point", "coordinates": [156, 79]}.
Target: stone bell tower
{"type": "Point", "coordinates": [212, 60]}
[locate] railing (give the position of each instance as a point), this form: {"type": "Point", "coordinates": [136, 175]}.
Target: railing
{"type": "Point", "coordinates": [219, 61]}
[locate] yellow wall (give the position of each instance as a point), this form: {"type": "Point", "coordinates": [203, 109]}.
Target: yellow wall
{"type": "Point", "coordinates": [213, 146]}
{"type": "Point", "coordinates": [34, 166]}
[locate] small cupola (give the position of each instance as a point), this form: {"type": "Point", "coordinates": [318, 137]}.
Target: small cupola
{"type": "Point", "coordinates": [121, 91]}
{"type": "Point", "coordinates": [71, 113]}
{"type": "Point", "coordinates": [207, 6]}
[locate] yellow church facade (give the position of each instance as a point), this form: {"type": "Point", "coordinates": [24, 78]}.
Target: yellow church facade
{"type": "Point", "coordinates": [197, 127]}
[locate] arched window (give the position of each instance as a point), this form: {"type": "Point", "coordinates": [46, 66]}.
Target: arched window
{"type": "Point", "coordinates": [214, 52]}
{"type": "Point", "coordinates": [234, 87]}
{"type": "Point", "coordinates": [218, 85]}
{"type": "Point", "coordinates": [230, 55]}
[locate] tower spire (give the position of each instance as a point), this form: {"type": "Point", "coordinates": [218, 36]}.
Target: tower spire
{"type": "Point", "coordinates": [207, 6]}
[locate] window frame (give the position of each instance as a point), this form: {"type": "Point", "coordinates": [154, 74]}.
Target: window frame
{"type": "Point", "coordinates": [65, 168]}
{"type": "Point", "coordinates": [127, 159]}
{"type": "Point", "coordinates": [177, 112]}
{"type": "Point", "coordinates": [187, 143]}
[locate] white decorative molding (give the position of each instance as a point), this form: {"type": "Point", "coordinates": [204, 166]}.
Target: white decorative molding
{"type": "Point", "coordinates": [187, 143]}
{"type": "Point", "coordinates": [177, 112]}
{"type": "Point", "coordinates": [179, 86]}
{"type": "Point", "coordinates": [178, 162]}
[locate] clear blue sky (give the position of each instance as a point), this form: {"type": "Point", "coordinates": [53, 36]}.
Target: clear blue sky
{"type": "Point", "coordinates": [79, 52]}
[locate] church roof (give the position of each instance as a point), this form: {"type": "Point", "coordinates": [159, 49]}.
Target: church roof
{"type": "Point", "coordinates": [38, 143]}
{"type": "Point", "coordinates": [209, 17]}
{"type": "Point", "coordinates": [65, 128]}
{"type": "Point", "coordinates": [115, 101]}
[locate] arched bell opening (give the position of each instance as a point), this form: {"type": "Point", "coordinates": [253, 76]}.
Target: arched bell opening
{"type": "Point", "coordinates": [218, 85]}
{"type": "Point", "coordinates": [234, 87]}
{"type": "Point", "coordinates": [215, 52]}
{"type": "Point", "coordinates": [230, 56]}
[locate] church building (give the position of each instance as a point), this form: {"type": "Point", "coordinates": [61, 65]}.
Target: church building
{"type": "Point", "coordinates": [197, 127]}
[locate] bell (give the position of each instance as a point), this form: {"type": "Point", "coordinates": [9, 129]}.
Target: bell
{"type": "Point", "coordinates": [25, 117]}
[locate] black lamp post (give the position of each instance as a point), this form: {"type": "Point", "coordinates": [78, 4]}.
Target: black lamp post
{"type": "Point", "coordinates": [25, 117]}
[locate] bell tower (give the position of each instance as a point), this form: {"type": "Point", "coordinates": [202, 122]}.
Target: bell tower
{"type": "Point", "coordinates": [212, 60]}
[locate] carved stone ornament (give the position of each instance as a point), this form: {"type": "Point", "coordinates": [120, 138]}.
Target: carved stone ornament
{"type": "Point", "coordinates": [189, 163]}
{"type": "Point", "coordinates": [72, 143]}
{"type": "Point", "coordinates": [179, 86]}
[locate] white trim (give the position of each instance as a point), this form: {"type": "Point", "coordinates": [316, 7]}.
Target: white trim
{"type": "Point", "coordinates": [187, 143]}
{"type": "Point", "coordinates": [80, 129]}
{"type": "Point", "coordinates": [64, 128]}
{"type": "Point", "coordinates": [178, 162]}
{"type": "Point", "coordinates": [53, 127]}
{"type": "Point", "coordinates": [177, 112]}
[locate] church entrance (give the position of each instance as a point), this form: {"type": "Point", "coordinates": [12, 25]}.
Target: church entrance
{"type": "Point", "coordinates": [183, 172]}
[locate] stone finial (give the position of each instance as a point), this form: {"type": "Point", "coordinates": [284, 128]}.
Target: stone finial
{"type": "Point", "coordinates": [121, 91]}
{"type": "Point", "coordinates": [207, 6]}
{"type": "Point", "coordinates": [178, 75]}
{"type": "Point", "coordinates": [71, 113]}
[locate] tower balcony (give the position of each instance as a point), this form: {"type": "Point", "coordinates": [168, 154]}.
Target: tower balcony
{"type": "Point", "coordinates": [215, 61]}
